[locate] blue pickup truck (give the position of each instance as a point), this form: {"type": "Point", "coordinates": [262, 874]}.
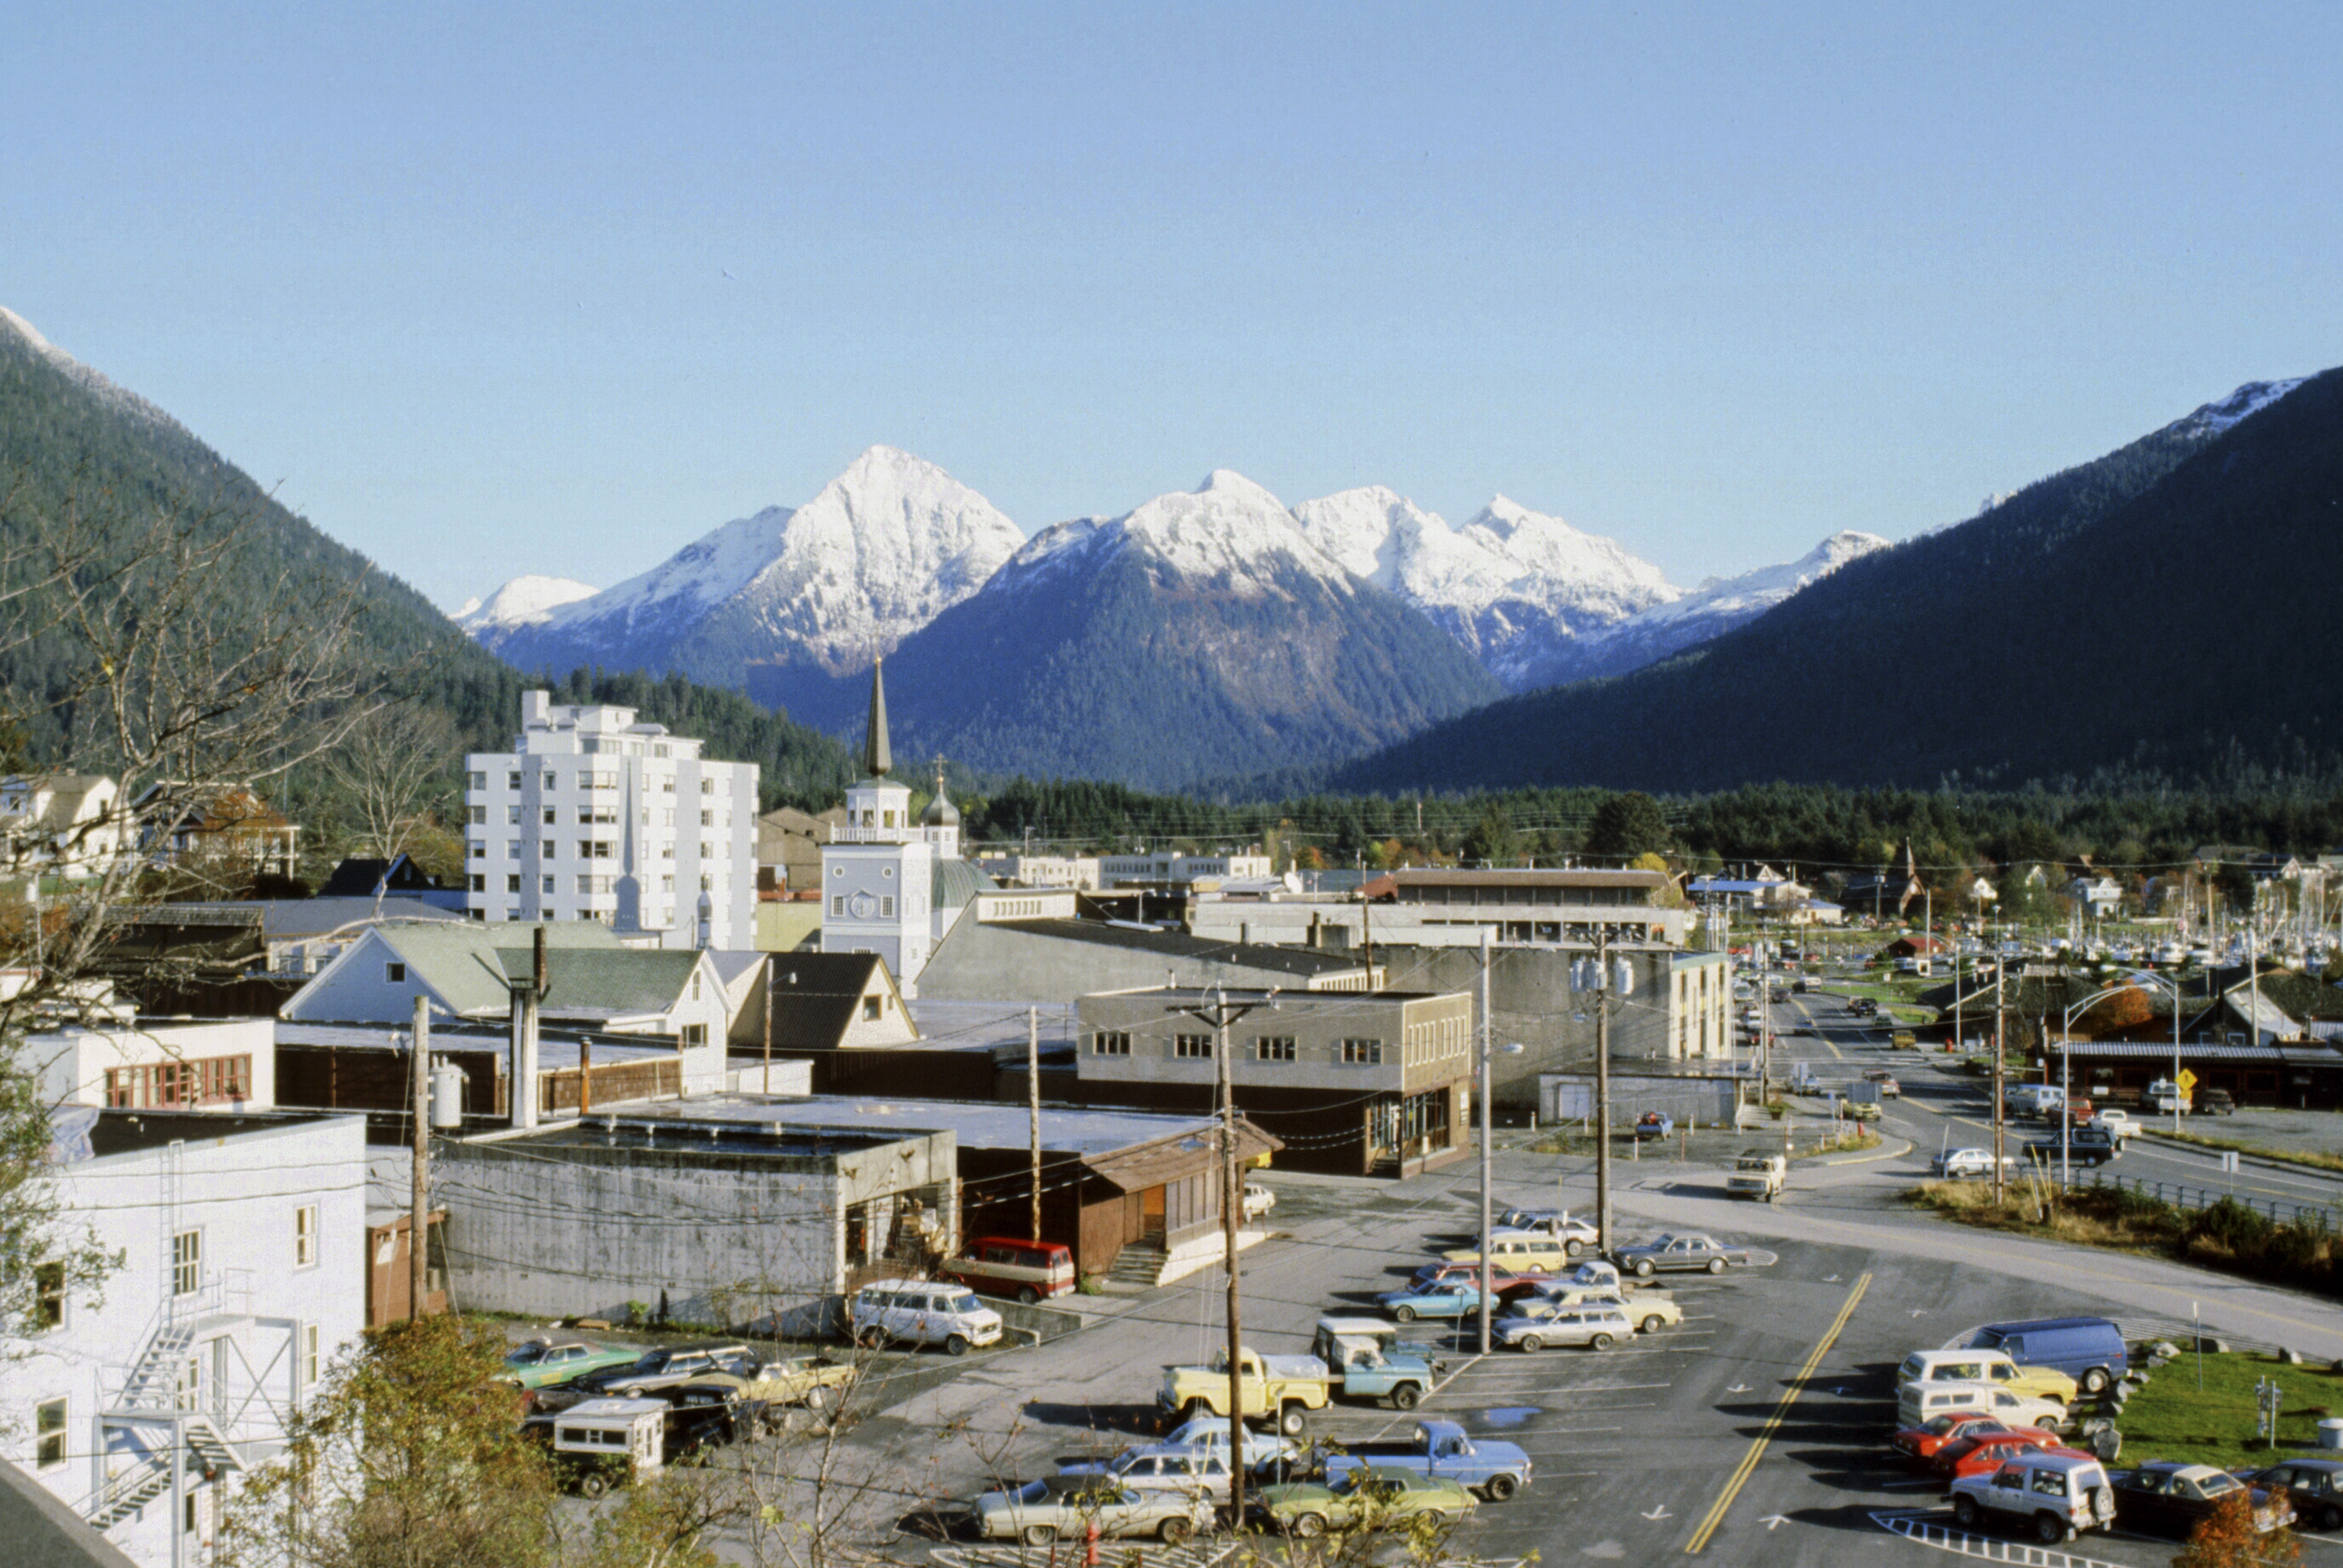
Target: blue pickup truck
{"type": "Point", "coordinates": [1495, 1470]}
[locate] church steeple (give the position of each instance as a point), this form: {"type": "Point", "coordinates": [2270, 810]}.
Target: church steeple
{"type": "Point", "coordinates": [877, 761]}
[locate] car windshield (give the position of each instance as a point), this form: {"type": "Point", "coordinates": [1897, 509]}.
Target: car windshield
{"type": "Point", "coordinates": [2218, 1485]}
{"type": "Point", "coordinates": [1033, 1492]}
{"type": "Point", "coordinates": [964, 1302]}
{"type": "Point", "coordinates": [521, 1355]}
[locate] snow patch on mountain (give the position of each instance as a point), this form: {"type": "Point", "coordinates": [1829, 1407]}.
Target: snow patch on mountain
{"type": "Point", "coordinates": [2248, 401]}
{"type": "Point", "coordinates": [1229, 533]}
{"type": "Point", "coordinates": [1750, 594]}
{"type": "Point", "coordinates": [29, 339]}
{"type": "Point", "coordinates": [527, 600]}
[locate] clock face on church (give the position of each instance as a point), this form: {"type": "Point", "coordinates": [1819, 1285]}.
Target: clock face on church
{"type": "Point", "coordinates": [862, 906]}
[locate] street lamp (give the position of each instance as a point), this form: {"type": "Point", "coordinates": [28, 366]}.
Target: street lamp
{"type": "Point", "coordinates": [2066, 1062]}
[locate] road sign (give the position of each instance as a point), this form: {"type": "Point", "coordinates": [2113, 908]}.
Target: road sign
{"type": "Point", "coordinates": [2186, 1080]}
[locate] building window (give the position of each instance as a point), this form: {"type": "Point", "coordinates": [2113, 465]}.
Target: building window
{"type": "Point", "coordinates": [1362, 1052]}
{"type": "Point", "coordinates": [49, 1433]}
{"type": "Point", "coordinates": [707, 818]}
{"type": "Point", "coordinates": [693, 1034]}
{"type": "Point", "coordinates": [552, 819]}
{"type": "Point", "coordinates": [308, 1370]}
{"type": "Point", "coordinates": [477, 849]}
{"type": "Point", "coordinates": [1273, 1048]}
{"type": "Point", "coordinates": [886, 908]}
{"type": "Point", "coordinates": [512, 884]}
{"type": "Point", "coordinates": [871, 1009]}
{"type": "Point", "coordinates": [708, 786]}
{"type": "Point", "coordinates": [512, 780]}
{"type": "Point", "coordinates": [1192, 1045]}
{"type": "Point", "coordinates": [480, 780]}
{"type": "Point", "coordinates": [547, 884]}
{"type": "Point", "coordinates": [1110, 1042]}
{"type": "Point", "coordinates": [197, 1080]}
{"type": "Point", "coordinates": [186, 1262]}
{"type": "Point", "coordinates": [837, 905]}
{"type": "Point", "coordinates": [304, 1236]}
{"type": "Point", "coordinates": [480, 815]}
{"type": "Point", "coordinates": [479, 882]}
{"type": "Point", "coordinates": [48, 1296]}
{"type": "Point", "coordinates": [394, 974]}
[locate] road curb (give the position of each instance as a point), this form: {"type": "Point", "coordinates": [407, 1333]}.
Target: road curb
{"type": "Point", "coordinates": [1874, 1154]}
{"type": "Point", "coordinates": [2280, 1161]}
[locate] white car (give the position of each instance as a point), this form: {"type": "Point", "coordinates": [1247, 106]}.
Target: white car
{"type": "Point", "coordinates": [2117, 1122]}
{"type": "Point", "coordinates": [1257, 1200]}
{"type": "Point", "coordinates": [1954, 1163]}
{"type": "Point", "coordinates": [1209, 1434]}
{"type": "Point", "coordinates": [925, 1313]}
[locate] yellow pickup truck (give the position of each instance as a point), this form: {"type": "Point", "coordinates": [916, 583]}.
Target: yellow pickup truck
{"type": "Point", "coordinates": [1288, 1387]}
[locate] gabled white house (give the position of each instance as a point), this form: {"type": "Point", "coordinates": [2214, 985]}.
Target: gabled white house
{"type": "Point", "coordinates": [59, 824]}
{"type": "Point", "coordinates": [139, 1404]}
{"type": "Point", "coordinates": [2101, 896]}
{"type": "Point", "coordinates": [472, 970]}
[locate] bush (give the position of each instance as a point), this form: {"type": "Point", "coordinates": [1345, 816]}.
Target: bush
{"type": "Point", "coordinates": [2296, 1248]}
{"type": "Point", "coordinates": [2232, 1227]}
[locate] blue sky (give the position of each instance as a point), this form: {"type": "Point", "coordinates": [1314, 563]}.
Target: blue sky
{"type": "Point", "coordinates": [1714, 280]}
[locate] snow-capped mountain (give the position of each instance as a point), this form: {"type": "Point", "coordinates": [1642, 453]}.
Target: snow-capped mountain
{"type": "Point", "coordinates": [1712, 610]}
{"type": "Point", "coordinates": [1515, 587]}
{"type": "Point", "coordinates": [884, 547]}
{"type": "Point", "coordinates": [526, 600]}
{"type": "Point", "coordinates": [1199, 636]}
{"type": "Point", "coordinates": [28, 339]}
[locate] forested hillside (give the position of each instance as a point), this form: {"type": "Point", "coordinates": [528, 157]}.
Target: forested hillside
{"type": "Point", "coordinates": [2167, 608]}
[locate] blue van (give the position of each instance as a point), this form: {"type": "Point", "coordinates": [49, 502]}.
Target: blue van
{"type": "Point", "coordinates": [2089, 1349]}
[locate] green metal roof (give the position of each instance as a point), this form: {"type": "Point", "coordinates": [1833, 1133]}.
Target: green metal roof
{"type": "Point", "coordinates": [956, 884]}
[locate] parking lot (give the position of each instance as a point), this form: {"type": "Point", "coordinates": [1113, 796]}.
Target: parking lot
{"type": "Point", "coordinates": [1753, 1432]}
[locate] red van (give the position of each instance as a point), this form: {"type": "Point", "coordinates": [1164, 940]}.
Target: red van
{"type": "Point", "coordinates": [1005, 1266]}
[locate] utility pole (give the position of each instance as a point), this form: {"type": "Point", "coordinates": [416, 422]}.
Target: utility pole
{"type": "Point", "coordinates": [2000, 1056]}
{"type": "Point", "coordinates": [1602, 1093]}
{"type": "Point", "coordinates": [418, 1225]}
{"type": "Point", "coordinates": [770, 977]}
{"type": "Point", "coordinates": [1220, 1013]}
{"type": "Point", "coordinates": [1033, 1105]}
{"type": "Point", "coordinates": [1486, 952]}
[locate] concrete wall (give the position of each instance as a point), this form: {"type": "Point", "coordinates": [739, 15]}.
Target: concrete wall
{"type": "Point", "coordinates": [552, 1229]}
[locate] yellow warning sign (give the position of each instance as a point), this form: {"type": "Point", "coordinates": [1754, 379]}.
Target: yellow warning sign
{"type": "Point", "coordinates": [2187, 1080]}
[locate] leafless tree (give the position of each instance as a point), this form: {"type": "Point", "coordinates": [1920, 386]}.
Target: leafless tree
{"type": "Point", "coordinates": [393, 772]}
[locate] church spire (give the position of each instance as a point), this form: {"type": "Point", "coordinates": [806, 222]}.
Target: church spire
{"type": "Point", "coordinates": [876, 758]}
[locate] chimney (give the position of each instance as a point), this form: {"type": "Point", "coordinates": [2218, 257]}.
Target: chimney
{"type": "Point", "coordinates": [525, 999]}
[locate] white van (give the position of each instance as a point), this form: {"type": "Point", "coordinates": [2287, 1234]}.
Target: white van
{"type": "Point", "coordinates": [1918, 1403]}
{"type": "Point", "coordinates": [1993, 1367]}
{"type": "Point", "coordinates": [923, 1312]}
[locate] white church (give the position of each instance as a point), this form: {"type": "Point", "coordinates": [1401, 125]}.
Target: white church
{"type": "Point", "coordinates": [891, 885]}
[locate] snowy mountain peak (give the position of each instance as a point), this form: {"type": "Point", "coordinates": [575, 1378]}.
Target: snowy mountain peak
{"type": "Point", "coordinates": [2248, 401]}
{"type": "Point", "coordinates": [524, 601]}
{"type": "Point", "coordinates": [1227, 527]}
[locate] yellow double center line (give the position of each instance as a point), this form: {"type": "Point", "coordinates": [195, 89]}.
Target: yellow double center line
{"type": "Point", "coordinates": [1748, 1464]}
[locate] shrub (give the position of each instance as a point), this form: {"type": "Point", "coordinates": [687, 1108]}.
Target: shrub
{"type": "Point", "coordinates": [2231, 1226]}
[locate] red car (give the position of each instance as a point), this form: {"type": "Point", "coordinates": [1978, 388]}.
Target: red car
{"type": "Point", "coordinates": [1921, 1443]}
{"type": "Point", "coordinates": [1972, 1456]}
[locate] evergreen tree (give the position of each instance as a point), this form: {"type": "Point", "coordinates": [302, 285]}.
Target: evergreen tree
{"type": "Point", "coordinates": [1628, 824]}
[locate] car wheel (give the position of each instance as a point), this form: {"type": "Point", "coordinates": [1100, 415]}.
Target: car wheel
{"type": "Point", "coordinates": [1405, 1396]}
{"type": "Point", "coordinates": [1599, 1343]}
{"type": "Point", "coordinates": [594, 1483]}
{"type": "Point", "coordinates": [1529, 1341]}
{"type": "Point", "coordinates": [1654, 1323]}
{"type": "Point", "coordinates": [2095, 1379]}
{"type": "Point", "coordinates": [2050, 1530]}
{"type": "Point", "coordinates": [1964, 1511]}
{"type": "Point", "coordinates": [1175, 1530]}
{"type": "Point", "coordinates": [1570, 1249]}
{"type": "Point", "coordinates": [955, 1344]}
{"type": "Point", "coordinates": [816, 1399]}
{"type": "Point", "coordinates": [1716, 1265]}
{"type": "Point", "coordinates": [1642, 1268]}
{"type": "Point", "coordinates": [1027, 1295]}
{"type": "Point", "coordinates": [1404, 1313]}
{"type": "Point", "coordinates": [1500, 1488]}
{"type": "Point", "coordinates": [2329, 1518]}
{"type": "Point", "coordinates": [1040, 1534]}
{"type": "Point", "coordinates": [1293, 1420]}
{"type": "Point", "coordinates": [1309, 1526]}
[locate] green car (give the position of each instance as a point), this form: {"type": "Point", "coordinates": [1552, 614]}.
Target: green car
{"type": "Point", "coordinates": [1374, 1494]}
{"type": "Point", "coordinates": [541, 1363]}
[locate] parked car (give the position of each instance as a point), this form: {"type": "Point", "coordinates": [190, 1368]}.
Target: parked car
{"type": "Point", "coordinates": [601, 1443]}
{"type": "Point", "coordinates": [1040, 1512]}
{"type": "Point", "coordinates": [1918, 1403]}
{"type": "Point", "coordinates": [922, 1312]}
{"type": "Point", "coordinates": [1985, 1366]}
{"type": "Point", "coordinates": [1447, 1274]}
{"type": "Point", "coordinates": [1380, 1494]}
{"type": "Point", "coordinates": [2054, 1495]}
{"type": "Point", "coordinates": [1887, 1081]}
{"type": "Point", "coordinates": [541, 1363]}
{"type": "Point", "coordinates": [1490, 1466]}
{"type": "Point", "coordinates": [1975, 1456]}
{"type": "Point", "coordinates": [1522, 1252]}
{"type": "Point", "coordinates": [2164, 1494]}
{"type": "Point", "coordinates": [1649, 1310]}
{"type": "Point", "coordinates": [664, 1368]}
{"type": "Point", "coordinates": [1446, 1299]}
{"type": "Point", "coordinates": [1008, 1266]}
{"type": "Point", "coordinates": [2077, 1146]}
{"type": "Point", "coordinates": [1672, 1253]}
{"type": "Point", "coordinates": [2314, 1487]}
{"type": "Point", "coordinates": [1286, 1387]}
{"type": "Point", "coordinates": [2091, 1351]}
{"type": "Point", "coordinates": [1957, 1163]}
{"type": "Point", "coordinates": [1257, 1200]}
{"type": "Point", "coordinates": [1533, 1325]}
{"type": "Point", "coordinates": [2116, 1120]}
{"type": "Point", "coordinates": [1263, 1451]}
{"type": "Point", "coordinates": [1175, 1468]}
{"type": "Point", "coordinates": [2215, 1102]}
{"type": "Point", "coordinates": [1554, 1224]}
{"type": "Point", "coordinates": [1654, 1124]}
{"type": "Point", "coordinates": [1923, 1443]}
{"type": "Point", "coordinates": [1758, 1173]}
{"type": "Point", "coordinates": [1369, 1362]}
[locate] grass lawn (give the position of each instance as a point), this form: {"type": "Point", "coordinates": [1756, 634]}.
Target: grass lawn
{"type": "Point", "coordinates": [2299, 1156]}
{"type": "Point", "coordinates": [2170, 1419]}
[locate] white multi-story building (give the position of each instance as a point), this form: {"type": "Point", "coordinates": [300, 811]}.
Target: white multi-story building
{"type": "Point", "coordinates": [594, 817]}
{"type": "Point", "coordinates": [242, 1244]}
{"type": "Point", "coordinates": [1168, 869]}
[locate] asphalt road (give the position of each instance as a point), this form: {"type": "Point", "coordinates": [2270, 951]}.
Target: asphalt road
{"type": "Point", "coordinates": [1752, 1434]}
